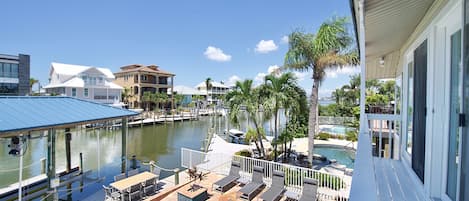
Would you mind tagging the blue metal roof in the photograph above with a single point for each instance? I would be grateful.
(21, 113)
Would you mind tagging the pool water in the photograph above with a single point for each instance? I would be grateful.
(334, 129)
(342, 156)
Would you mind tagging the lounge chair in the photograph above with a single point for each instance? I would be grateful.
(111, 194)
(250, 190)
(134, 193)
(119, 177)
(310, 189)
(149, 188)
(277, 188)
(132, 172)
(227, 182)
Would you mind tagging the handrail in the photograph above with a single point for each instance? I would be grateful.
(363, 179)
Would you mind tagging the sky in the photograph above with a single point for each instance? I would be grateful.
(223, 40)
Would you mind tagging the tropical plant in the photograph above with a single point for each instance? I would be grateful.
(251, 136)
(278, 89)
(126, 94)
(32, 82)
(146, 99)
(330, 47)
(208, 86)
(159, 98)
(244, 96)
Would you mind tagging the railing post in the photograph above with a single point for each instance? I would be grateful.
(176, 176)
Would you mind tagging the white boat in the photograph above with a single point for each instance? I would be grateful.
(236, 136)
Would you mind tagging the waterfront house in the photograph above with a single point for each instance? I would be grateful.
(215, 92)
(14, 75)
(140, 78)
(420, 152)
(83, 82)
(188, 93)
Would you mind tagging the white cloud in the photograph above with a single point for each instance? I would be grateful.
(300, 75)
(232, 80)
(284, 40)
(274, 69)
(266, 46)
(216, 54)
(348, 70)
(260, 77)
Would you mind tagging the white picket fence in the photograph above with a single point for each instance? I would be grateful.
(331, 187)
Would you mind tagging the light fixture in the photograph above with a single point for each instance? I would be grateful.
(381, 62)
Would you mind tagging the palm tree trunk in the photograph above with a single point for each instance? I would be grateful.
(275, 133)
(312, 119)
(259, 138)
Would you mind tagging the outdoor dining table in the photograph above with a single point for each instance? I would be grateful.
(124, 184)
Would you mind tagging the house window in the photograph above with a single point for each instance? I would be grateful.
(85, 92)
(74, 92)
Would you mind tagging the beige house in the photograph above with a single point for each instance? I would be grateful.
(140, 78)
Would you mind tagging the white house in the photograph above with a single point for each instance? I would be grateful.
(215, 92)
(83, 82)
(421, 152)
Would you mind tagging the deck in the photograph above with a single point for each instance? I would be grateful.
(394, 181)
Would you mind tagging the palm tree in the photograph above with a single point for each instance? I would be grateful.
(244, 96)
(277, 89)
(178, 98)
(251, 136)
(208, 86)
(126, 94)
(330, 47)
(146, 99)
(32, 82)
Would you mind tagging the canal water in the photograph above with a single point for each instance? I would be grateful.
(161, 143)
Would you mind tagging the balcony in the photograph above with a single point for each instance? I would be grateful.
(379, 173)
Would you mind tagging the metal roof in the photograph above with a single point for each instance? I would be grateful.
(23, 113)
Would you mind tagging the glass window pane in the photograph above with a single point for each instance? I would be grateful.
(14, 70)
(410, 105)
(455, 98)
(6, 70)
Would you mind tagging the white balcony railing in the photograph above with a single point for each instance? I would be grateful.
(380, 138)
(331, 186)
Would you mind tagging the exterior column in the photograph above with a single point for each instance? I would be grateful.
(172, 93)
(139, 88)
(50, 159)
(363, 67)
(124, 145)
(68, 138)
(464, 172)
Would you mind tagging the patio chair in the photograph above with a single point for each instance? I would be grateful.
(274, 193)
(227, 182)
(110, 194)
(132, 172)
(134, 193)
(251, 189)
(119, 177)
(149, 187)
(310, 189)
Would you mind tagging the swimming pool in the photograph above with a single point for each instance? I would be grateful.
(334, 129)
(342, 156)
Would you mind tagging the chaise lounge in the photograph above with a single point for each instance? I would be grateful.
(250, 190)
(229, 181)
(274, 193)
(310, 188)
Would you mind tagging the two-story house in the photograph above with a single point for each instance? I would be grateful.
(138, 79)
(83, 82)
(215, 91)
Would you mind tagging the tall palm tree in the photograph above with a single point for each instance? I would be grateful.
(126, 94)
(208, 86)
(244, 96)
(277, 89)
(146, 99)
(330, 47)
(32, 82)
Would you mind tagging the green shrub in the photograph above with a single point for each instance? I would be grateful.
(245, 153)
(323, 136)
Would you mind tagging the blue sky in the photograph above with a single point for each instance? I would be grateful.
(193, 39)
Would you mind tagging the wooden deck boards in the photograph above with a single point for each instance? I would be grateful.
(394, 182)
